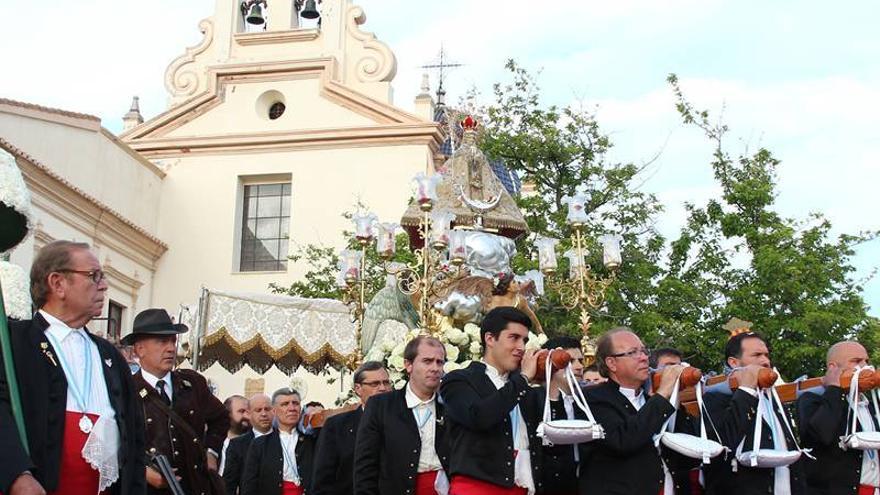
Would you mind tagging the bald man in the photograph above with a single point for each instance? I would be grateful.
(823, 416)
(261, 416)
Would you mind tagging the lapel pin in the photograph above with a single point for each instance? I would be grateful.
(108, 362)
(49, 355)
(44, 345)
(186, 383)
(143, 393)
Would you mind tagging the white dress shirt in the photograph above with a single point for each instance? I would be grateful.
(870, 475)
(522, 469)
(425, 413)
(153, 380)
(288, 449)
(74, 343)
(634, 396)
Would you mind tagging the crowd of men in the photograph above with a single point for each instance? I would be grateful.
(92, 426)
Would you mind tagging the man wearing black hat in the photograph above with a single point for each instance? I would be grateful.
(184, 421)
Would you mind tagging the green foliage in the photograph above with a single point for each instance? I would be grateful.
(735, 256)
(788, 276)
(558, 152)
(321, 264)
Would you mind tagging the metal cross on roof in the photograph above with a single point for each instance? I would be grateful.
(442, 65)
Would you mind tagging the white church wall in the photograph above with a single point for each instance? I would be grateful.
(200, 210)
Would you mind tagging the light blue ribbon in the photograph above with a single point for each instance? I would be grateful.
(80, 396)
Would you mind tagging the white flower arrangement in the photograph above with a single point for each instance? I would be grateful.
(16, 290)
(13, 192)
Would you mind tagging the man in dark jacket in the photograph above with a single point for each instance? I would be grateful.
(734, 417)
(401, 444)
(560, 462)
(55, 357)
(261, 414)
(626, 460)
(280, 463)
(184, 421)
(493, 413)
(334, 455)
(823, 417)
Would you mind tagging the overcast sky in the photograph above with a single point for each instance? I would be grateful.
(798, 77)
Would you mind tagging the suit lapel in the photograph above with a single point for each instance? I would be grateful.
(404, 413)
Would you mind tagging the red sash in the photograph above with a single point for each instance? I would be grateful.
(76, 476)
(867, 490)
(465, 485)
(425, 483)
(291, 488)
(696, 487)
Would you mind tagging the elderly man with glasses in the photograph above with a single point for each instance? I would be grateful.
(334, 454)
(626, 460)
(76, 389)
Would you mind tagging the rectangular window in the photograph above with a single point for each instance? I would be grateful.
(114, 321)
(264, 227)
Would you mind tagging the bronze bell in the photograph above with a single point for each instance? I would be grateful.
(255, 17)
(310, 11)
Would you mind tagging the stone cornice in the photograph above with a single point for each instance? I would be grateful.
(392, 135)
(271, 37)
(218, 76)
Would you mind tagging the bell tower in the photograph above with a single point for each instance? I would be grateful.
(261, 35)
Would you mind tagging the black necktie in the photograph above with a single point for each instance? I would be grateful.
(161, 386)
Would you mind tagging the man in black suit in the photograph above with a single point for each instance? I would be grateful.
(261, 414)
(401, 447)
(239, 423)
(734, 418)
(559, 468)
(55, 358)
(334, 455)
(626, 460)
(280, 462)
(493, 413)
(823, 419)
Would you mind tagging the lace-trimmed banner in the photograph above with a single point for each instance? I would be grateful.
(261, 330)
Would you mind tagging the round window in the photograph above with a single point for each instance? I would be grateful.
(276, 110)
(271, 105)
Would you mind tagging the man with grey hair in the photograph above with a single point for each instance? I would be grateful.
(261, 414)
(334, 457)
(626, 461)
(75, 388)
(280, 462)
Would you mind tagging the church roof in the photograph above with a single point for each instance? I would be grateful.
(57, 111)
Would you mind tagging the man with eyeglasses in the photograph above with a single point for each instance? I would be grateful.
(626, 460)
(401, 442)
(334, 454)
(76, 389)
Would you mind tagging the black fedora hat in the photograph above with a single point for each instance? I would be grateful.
(153, 322)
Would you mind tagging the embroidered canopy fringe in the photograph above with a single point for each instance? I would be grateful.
(262, 330)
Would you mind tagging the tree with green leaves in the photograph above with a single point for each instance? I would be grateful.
(734, 257)
(794, 281)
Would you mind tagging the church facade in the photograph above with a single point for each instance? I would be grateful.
(270, 135)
